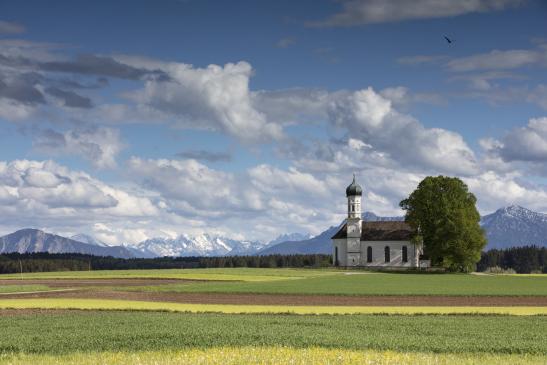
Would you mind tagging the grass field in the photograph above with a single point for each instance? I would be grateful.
(232, 274)
(362, 283)
(329, 282)
(45, 329)
(105, 304)
(65, 333)
(22, 288)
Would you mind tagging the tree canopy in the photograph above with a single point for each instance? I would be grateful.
(443, 213)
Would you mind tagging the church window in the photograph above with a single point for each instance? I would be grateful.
(405, 254)
(369, 254)
(336, 256)
(387, 254)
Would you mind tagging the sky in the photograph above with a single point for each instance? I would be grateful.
(129, 120)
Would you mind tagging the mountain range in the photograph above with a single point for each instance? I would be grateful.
(507, 227)
(34, 240)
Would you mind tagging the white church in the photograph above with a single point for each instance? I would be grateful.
(381, 244)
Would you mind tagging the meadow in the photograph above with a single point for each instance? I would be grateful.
(92, 331)
(309, 281)
(89, 317)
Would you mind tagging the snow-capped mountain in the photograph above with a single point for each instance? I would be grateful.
(34, 240)
(515, 226)
(200, 245)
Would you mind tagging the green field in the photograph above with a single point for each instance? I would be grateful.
(22, 288)
(362, 283)
(328, 282)
(232, 274)
(48, 330)
(63, 333)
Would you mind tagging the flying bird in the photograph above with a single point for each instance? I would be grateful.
(448, 39)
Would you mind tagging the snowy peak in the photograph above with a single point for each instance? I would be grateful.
(199, 245)
(515, 226)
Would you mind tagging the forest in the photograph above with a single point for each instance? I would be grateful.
(523, 260)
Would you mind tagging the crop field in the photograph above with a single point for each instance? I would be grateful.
(271, 316)
(303, 281)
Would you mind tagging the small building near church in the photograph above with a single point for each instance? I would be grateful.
(381, 244)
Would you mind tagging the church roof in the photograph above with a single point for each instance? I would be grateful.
(354, 188)
(380, 231)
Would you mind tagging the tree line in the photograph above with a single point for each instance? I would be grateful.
(523, 260)
(43, 261)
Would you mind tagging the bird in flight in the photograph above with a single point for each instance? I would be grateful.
(448, 39)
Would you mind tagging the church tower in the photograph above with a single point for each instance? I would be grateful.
(354, 226)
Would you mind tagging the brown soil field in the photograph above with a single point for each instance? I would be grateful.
(71, 283)
(281, 299)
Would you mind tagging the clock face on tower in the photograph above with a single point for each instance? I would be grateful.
(353, 228)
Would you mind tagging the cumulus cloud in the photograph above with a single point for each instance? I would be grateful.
(370, 117)
(192, 187)
(495, 190)
(528, 143)
(213, 98)
(46, 194)
(362, 12)
(98, 145)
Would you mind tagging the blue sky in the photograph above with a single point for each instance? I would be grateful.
(134, 119)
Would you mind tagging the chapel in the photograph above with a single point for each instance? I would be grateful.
(372, 244)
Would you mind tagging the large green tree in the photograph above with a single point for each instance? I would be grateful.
(443, 213)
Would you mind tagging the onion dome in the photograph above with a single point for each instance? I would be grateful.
(354, 188)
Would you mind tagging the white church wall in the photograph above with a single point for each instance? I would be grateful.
(342, 251)
(395, 250)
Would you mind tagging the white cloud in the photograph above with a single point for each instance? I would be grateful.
(99, 145)
(370, 117)
(212, 98)
(528, 143)
(495, 190)
(43, 193)
(361, 12)
(499, 60)
(15, 111)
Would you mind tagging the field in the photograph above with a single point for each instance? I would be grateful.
(270, 316)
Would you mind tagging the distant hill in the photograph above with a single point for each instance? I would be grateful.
(289, 237)
(34, 240)
(515, 226)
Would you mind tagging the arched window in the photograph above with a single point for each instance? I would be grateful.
(369, 254)
(386, 254)
(405, 254)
